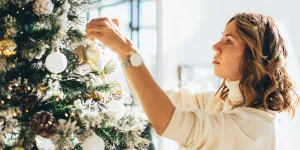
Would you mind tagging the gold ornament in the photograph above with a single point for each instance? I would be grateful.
(119, 89)
(19, 146)
(92, 55)
(7, 47)
(97, 95)
(78, 52)
(42, 88)
(93, 95)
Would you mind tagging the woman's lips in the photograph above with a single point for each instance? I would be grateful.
(215, 62)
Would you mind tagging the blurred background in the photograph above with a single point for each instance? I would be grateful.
(175, 38)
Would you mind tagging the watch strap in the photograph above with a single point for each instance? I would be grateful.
(126, 63)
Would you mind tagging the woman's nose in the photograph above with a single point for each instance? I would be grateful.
(216, 48)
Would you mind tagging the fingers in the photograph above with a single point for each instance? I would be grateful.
(116, 21)
(100, 21)
(128, 41)
(97, 28)
(93, 35)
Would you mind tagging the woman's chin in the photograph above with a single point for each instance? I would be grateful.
(218, 73)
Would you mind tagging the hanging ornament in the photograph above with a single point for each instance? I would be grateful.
(97, 95)
(93, 55)
(56, 62)
(44, 124)
(126, 99)
(117, 91)
(93, 142)
(43, 143)
(19, 146)
(115, 109)
(7, 47)
(43, 7)
(78, 52)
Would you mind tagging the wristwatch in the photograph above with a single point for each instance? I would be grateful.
(134, 60)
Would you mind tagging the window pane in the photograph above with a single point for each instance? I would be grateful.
(148, 47)
(148, 42)
(148, 14)
(93, 14)
(121, 12)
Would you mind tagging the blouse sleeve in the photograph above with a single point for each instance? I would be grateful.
(197, 129)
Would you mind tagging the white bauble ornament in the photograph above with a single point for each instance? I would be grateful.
(44, 143)
(43, 7)
(115, 109)
(93, 142)
(126, 99)
(56, 62)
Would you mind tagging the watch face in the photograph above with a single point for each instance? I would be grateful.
(136, 59)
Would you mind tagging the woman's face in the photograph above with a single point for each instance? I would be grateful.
(229, 54)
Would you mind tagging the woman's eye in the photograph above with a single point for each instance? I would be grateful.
(228, 41)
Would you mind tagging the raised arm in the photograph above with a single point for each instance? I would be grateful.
(153, 99)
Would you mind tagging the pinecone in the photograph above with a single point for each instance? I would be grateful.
(44, 124)
(43, 7)
(29, 101)
(26, 93)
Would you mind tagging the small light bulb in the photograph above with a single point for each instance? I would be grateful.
(26, 110)
(23, 8)
(66, 115)
(42, 88)
(8, 97)
(16, 84)
(2, 102)
(28, 88)
(14, 114)
(17, 12)
(49, 122)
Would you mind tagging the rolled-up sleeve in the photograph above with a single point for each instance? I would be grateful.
(193, 129)
(197, 129)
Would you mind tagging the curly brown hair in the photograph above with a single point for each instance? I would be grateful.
(265, 83)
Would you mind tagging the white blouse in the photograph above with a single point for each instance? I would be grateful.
(202, 122)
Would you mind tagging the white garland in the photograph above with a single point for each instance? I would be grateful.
(54, 89)
(66, 131)
(11, 26)
(89, 112)
(8, 124)
(63, 22)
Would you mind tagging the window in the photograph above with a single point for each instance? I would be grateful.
(137, 20)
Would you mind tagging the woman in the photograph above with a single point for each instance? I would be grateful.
(243, 113)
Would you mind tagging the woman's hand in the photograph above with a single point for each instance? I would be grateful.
(108, 32)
